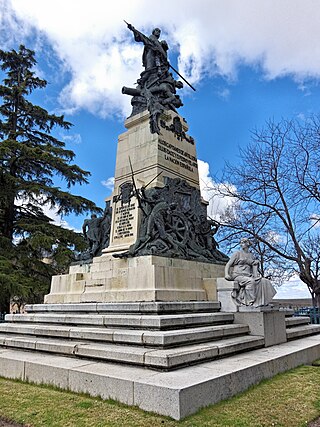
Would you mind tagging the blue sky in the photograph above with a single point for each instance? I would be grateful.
(250, 60)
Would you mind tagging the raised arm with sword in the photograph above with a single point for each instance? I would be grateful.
(154, 44)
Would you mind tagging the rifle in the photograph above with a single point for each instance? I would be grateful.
(131, 28)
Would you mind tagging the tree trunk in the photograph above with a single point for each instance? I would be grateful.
(8, 216)
(5, 306)
(316, 300)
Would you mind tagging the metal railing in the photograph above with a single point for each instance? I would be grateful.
(312, 312)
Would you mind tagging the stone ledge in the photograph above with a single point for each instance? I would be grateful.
(295, 321)
(175, 394)
(302, 331)
(169, 338)
(160, 359)
(127, 307)
(148, 321)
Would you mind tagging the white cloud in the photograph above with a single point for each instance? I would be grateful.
(208, 188)
(315, 220)
(74, 138)
(48, 210)
(223, 93)
(292, 289)
(57, 219)
(109, 183)
(210, 37)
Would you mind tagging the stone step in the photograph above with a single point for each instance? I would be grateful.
(175, 394)
(302, 331)
(133, 336)
(297, 320)
(133, 307)
(288, 311)
(163, 359)
(150, 321)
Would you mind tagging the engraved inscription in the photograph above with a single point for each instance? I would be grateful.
(177, 156)
(124, 217)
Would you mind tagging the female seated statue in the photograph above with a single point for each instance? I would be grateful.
(252, 288)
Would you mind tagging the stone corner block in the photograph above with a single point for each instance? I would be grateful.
(224, 290)
(269, 324)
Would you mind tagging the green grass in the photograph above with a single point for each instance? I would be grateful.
(291, 399)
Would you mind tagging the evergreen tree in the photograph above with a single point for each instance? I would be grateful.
(30, 158)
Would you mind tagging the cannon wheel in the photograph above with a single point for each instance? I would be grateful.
(177, 228)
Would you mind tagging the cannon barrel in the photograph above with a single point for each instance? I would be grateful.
(130, 91)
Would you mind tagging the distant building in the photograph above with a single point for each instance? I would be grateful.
(293, 303)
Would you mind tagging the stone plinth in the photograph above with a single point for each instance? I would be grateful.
(153, 157)
(224, 290)
(147, 278)
(264, 321)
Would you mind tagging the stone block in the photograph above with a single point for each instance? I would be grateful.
(90, 319)
(238, 344)
(17, 317)
(111, 352)
(11, 367)
(162, 400)
(50, 369)
(52, 331)
(294, 321)
(16, 328)
(302, 331)
(267, 323)
(171, 358)
(210, 286)
(95, 334)
(154, 338)
(235, 329)
(20, 342)
(120, 320)
(179, 295)
(176, 394)
(130, 307)
(97, 380)
(224, 290)
(80, 268)
(58, 347)
(128, 337)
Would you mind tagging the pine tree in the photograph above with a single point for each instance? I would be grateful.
(30, 159)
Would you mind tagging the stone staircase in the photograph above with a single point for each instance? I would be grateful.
(298, 327)
(198, 355)
(158, 335)
(152, 334)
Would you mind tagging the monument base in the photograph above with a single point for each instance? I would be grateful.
(145, 278)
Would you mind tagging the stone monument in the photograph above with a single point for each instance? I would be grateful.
(150, 290)
(154, 241)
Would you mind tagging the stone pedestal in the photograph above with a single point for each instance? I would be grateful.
(264, 321)
(149, 158)
(147, 278)
(146, 160)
